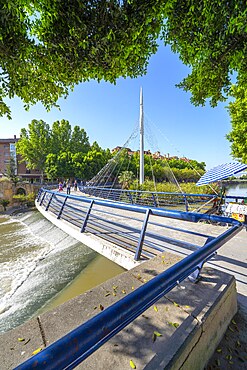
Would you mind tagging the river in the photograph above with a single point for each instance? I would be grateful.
(239, 189)
(41, 267)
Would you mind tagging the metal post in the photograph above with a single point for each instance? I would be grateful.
(186, 203)
(87, 217)
(61, 210)
(141, 140)
(130, 197)
(39, 194)
(42, 198)
(154, 200)
(48, 205)
(142, 235)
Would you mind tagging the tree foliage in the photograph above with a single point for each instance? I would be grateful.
(34, 145)
(11, 171)
(47, 47)
(4, 203)
(60, 151)
(210, 37)
(126, 178)
(159, 169)
(238, 114)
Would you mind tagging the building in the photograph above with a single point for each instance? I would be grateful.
(7, 151)
(155, 155)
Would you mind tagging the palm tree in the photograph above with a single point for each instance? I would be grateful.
(126, 178)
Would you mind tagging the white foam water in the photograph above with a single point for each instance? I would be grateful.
(37, 260)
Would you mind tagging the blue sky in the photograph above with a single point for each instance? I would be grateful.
(109, 113)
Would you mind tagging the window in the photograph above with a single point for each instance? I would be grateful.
(12, 147)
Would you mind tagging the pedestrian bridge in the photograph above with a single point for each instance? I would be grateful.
(136, 235)
(130, 233)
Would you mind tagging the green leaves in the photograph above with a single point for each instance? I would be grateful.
(155, 335)
(132, 364)
(174, 324)
(44, 56)
(238, 114)
(208, 35)
(60, 151)
(48, 47)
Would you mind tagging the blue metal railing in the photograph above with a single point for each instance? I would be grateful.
(235, 198)
(101, 217)
(178, 201)
(76, 346)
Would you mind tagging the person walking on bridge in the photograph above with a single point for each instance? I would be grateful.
(68, 187)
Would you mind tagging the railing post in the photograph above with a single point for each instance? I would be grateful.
(61, 210)
(42, 198)
(48, 205)
(87, 217)
(186, 203)
(142, 235)
(130, 197)
(154, 200)
(39, 194)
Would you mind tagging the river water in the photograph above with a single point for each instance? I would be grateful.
(41, 266)
(239, 189)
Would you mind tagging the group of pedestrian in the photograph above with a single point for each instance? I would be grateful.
(67, 185)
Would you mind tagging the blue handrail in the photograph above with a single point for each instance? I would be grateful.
(186, 201)
(76, 346)
(58, 203)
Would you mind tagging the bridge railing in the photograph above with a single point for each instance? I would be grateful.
(178, 201)
(76, 346)
(129, 229)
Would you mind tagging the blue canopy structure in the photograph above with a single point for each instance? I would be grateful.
(221, 172)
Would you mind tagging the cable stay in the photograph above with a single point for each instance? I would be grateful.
(125, 168)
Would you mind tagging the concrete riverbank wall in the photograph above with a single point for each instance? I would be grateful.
(122, 257)
(191, 320)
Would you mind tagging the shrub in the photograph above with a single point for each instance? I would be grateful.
(30, 199)
(4, 179)
(25, 199)
(4, 203)
(20, 198)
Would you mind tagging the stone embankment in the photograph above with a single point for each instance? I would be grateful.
(9, 189)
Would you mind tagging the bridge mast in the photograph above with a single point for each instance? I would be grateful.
(141, 140)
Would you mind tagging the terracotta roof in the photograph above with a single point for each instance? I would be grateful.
(12, 140)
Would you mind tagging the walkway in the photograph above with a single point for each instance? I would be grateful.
(182, 238)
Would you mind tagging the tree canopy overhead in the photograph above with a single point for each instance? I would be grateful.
(211, 37)
(48, 46)
(238, 114)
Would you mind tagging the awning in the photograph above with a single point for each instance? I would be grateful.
(221, 172)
